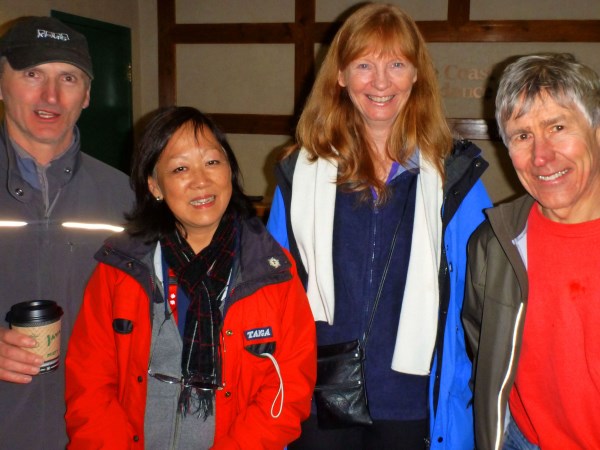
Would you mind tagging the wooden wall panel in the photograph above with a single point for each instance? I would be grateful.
(304, 33)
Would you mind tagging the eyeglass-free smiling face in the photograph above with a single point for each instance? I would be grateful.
(556, 155)
(379, 86)
(193, 176)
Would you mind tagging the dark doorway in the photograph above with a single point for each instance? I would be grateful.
(107, 124)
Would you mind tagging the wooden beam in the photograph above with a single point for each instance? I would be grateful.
(472, 129)
(255, 123)
(512, 31)
(167, 71)
(492, 31)
(234, 33)
(475, 129)
(304, 53)
(458, 12)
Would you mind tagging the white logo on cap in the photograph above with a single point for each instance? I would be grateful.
(52, 35)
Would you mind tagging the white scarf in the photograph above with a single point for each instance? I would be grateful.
(312, 211)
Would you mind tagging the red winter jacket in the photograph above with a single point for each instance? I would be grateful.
(107, 359)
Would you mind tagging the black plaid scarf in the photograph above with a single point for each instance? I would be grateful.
(203, 278)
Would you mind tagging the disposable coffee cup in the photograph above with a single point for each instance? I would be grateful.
(39, 319)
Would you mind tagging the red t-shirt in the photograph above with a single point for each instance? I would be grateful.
(555, 400)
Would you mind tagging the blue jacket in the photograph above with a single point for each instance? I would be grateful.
(450, 399)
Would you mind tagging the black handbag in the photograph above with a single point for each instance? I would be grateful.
(340, 393)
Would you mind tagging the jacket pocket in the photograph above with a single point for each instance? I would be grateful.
(122, 326)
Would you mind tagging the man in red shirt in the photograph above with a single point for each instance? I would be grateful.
(532, 306)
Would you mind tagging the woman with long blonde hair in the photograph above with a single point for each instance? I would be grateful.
(376, 203)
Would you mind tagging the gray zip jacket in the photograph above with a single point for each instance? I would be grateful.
(494, 315)
(47, 252)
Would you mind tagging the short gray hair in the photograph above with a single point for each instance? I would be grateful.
(558, 75)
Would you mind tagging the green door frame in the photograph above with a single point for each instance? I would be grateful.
(107, 124)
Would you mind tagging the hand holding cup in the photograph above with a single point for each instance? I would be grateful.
(40, 322)
(17, 364)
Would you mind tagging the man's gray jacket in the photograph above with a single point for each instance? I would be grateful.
(493, 315)
(48, 236)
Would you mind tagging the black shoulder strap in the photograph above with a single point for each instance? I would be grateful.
(383, 276)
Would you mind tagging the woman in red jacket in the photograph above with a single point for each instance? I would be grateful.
(195, 331)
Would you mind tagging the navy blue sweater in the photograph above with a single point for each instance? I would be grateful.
(362, 235)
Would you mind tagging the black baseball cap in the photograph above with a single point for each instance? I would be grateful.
(39, 40)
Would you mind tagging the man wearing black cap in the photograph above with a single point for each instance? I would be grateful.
(57, 205)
